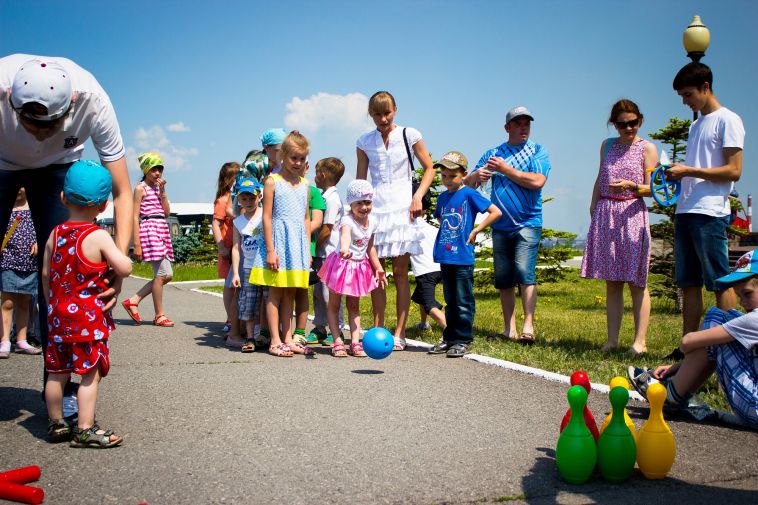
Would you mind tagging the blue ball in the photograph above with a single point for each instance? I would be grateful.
(378, 343)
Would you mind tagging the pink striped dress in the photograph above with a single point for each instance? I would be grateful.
(154, 235)
(618, 241)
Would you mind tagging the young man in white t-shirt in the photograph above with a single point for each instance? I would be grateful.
(713, 163)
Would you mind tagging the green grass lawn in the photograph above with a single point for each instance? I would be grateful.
(182, 271)
(570, 329)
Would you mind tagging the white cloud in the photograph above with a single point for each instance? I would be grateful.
(154, 138)
(178, 127)
(324, 111)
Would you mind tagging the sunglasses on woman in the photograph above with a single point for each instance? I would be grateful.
(623, 125)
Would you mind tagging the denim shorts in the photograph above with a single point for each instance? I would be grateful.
(515, 256)
(15, 281)
(701, 250)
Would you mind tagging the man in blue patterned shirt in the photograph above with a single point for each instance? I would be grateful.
(513, 175)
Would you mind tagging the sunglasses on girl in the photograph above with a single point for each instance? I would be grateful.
(623, 125)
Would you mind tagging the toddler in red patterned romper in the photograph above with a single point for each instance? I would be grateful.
(77, 256)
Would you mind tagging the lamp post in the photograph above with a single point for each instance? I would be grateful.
(696, 39)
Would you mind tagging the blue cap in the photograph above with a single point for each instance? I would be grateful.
(745, 268)
(273, 136)
(87, 183)
(249, 185)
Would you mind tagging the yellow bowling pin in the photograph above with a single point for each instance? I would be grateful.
(656, 447)
(619, 381)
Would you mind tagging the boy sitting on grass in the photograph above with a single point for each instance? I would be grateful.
(726, 344)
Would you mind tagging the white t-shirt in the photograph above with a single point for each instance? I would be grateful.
(359, 236)
(332, 215)
(251, 236)
(92, 117)
(424, 263)
(709, 135)
(744, 329)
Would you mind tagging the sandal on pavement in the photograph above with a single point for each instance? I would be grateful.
(58, 430)
(356, 349)
(94, 437)
(338, 350)
(280, 350)
(129, 305)
(227, 326)
(526, 338)
(31, 350)
(400, 344)
(163, 321)
(248, 346)
(298, 348)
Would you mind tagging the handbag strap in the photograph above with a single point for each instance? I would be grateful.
(410, 158)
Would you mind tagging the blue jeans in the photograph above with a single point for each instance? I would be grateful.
(701, 250)
(458, 288)
(43, 191)
(515, 256)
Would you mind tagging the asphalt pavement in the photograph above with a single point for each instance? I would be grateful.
(207, 424)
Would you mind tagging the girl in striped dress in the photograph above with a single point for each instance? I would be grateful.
(152, 238)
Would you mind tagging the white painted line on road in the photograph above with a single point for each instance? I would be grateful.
(203, 292)
(602, 388)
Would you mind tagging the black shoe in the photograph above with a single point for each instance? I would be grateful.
(440, 347)
(458, 350)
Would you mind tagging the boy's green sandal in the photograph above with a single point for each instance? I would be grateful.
(94, 437)
(315, 336)
(58, 430)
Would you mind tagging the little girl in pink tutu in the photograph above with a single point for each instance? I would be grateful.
(353, 269)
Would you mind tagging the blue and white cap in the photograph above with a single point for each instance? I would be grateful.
(746, 267)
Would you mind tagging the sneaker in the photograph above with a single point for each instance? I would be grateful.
(641, 379)
(316, 336)
(422, 326)
(458, 350)
(440, 347)
(328, 341)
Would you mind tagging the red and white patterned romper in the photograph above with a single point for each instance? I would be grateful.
(78, 327)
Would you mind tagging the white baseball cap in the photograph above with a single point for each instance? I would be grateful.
(46, 83)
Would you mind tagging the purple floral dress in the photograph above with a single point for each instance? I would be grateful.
(618, 242)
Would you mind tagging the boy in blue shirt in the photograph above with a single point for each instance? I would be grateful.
(454, 251)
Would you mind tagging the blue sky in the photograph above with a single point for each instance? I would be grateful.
(199, 81)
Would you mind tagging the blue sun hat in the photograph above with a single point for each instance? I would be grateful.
(273, 136)
(249, 185)
(746, 267)
(87, 183)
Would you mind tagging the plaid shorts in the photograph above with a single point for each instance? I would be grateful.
(250, 298)
(735, 369)
(77, 357)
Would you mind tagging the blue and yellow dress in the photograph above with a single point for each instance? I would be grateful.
(290, 238)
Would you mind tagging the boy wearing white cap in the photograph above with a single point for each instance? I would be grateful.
(726, 344)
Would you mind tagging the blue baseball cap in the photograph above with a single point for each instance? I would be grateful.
(745, 268)
(273, 136)
(87, 183)
(249, 185)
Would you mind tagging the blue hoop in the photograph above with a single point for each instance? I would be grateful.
(664, 192)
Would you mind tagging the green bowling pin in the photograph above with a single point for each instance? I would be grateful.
(576, 452)
(616, 450)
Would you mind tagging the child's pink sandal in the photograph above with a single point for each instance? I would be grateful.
(356, 350)
(338, 350)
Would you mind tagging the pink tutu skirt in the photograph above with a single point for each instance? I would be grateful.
(347, 277)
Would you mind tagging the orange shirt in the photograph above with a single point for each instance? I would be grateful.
(219, 212)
